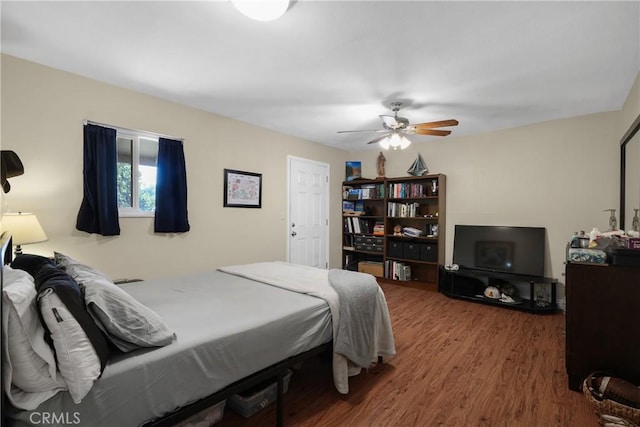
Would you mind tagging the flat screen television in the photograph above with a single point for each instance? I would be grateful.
(515, 250)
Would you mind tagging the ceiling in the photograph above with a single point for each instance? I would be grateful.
(327, 66)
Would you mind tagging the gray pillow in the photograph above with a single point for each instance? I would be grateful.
(128, 324)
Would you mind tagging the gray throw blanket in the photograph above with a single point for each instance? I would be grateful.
(361, 323)
(358, 309)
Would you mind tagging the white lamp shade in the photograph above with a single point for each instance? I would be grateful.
(395, 141)
(404, 142)
(24, 228)
(262, 10)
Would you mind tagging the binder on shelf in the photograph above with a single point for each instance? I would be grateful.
(347, 225)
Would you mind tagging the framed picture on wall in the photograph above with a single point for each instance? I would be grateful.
(353, 170)
(242, 189)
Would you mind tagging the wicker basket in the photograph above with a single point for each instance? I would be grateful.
(609, 412)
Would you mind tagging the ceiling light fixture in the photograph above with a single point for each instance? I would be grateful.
(262, 10)
(395, 141)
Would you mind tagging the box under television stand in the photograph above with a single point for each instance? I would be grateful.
(469, 284)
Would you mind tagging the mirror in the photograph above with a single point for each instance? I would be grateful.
(629, 175)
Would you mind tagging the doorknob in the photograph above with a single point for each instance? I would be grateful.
(293, 233)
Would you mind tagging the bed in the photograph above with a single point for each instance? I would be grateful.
(233, 329)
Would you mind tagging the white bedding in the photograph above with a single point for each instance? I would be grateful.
(227, 328)
(315, 282)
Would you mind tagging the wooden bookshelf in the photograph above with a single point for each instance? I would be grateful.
(407, 215)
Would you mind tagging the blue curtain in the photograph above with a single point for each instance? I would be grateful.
(171, 188)
(99, 209)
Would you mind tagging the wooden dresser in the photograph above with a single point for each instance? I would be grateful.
(603, 322)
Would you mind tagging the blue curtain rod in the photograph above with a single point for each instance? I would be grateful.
(132, 130)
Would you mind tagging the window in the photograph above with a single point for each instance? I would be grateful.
(137, 171)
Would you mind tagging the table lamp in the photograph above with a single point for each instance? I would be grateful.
(24, 227)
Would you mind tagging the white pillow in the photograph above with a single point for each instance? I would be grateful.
(29, 363)
(128, 324)
(78, 361)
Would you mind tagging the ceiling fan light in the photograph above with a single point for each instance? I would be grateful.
(404, 142)
(384, 143)
(262, 10)
(395, 141)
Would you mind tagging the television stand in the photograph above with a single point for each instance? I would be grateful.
(469, 284)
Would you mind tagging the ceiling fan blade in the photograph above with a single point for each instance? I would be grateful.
(378, 139)
(439, 124)
(364, 130)
(390, 122)
(435, 132)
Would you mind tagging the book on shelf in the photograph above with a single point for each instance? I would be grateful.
(397, 271)
(348, 228)
(367, 191)
(403, 210)
(378, 228)
(354, 194)
(407, 190)
(373, 191)
(356, 225)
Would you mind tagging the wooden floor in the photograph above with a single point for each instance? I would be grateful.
(458, 364)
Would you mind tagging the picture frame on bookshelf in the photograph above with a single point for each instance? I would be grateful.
(353, 170)
(242, 189)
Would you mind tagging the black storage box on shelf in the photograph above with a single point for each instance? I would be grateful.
(411, 250)
(258, 397)
(395, 249)
(358, 239)
(625, 257)
(429, 252)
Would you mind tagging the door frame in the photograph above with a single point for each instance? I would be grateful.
(291, 158)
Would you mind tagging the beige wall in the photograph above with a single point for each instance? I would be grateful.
(42, 114)
(631, 108)
(559, 175)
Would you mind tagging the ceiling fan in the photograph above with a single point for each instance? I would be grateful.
(395, 127)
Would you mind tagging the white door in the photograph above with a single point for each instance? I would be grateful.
(308, 227)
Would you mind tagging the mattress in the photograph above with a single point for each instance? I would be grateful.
(227, 328)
